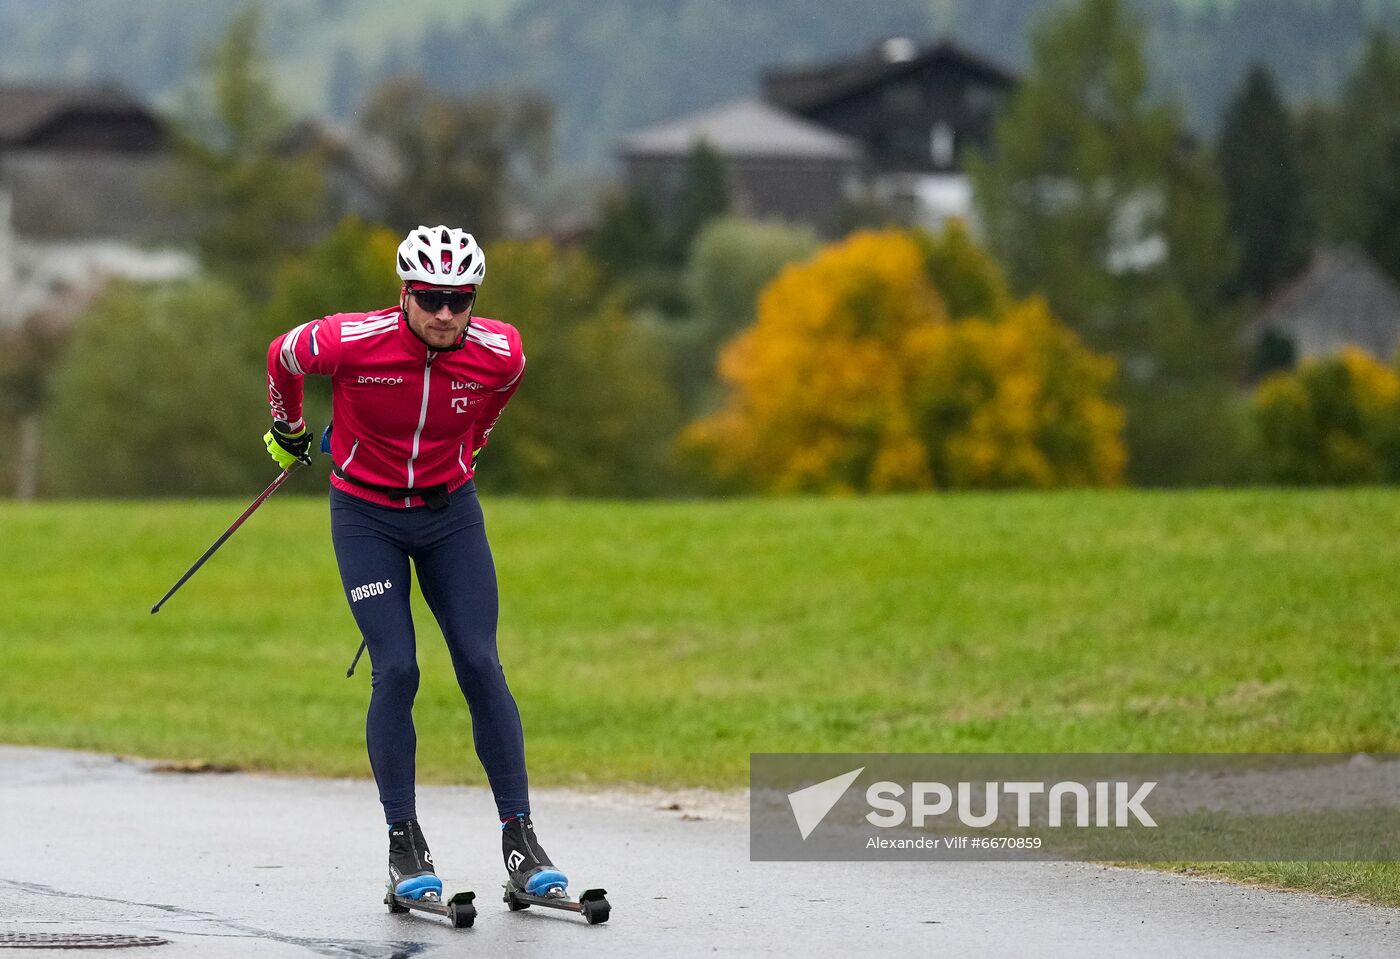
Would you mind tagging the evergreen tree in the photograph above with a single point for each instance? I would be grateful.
(1080, 163)
(1345, 148)
(625, 237)
(1093, 199)
(1383, 233)
(704, 195)
(1263, 187)
(462, 158)
(1370, 154)
(250, 203)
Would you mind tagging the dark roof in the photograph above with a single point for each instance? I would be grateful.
(26, 109)
(367, 158)
(803, 88)
(743, 128)
(1341, 298)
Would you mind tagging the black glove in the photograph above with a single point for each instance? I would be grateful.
(296, 445)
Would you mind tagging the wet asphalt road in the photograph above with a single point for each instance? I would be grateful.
(226, 865)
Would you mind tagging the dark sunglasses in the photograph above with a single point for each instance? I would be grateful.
(455, 300)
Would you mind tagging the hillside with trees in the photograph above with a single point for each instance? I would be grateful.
(614, 65)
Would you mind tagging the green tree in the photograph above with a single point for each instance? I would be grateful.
(1351, 157)
(1092, 198)
(1382, 239)
(1335, 420)
(1345, 148)
(1079, 196)
(250, 204)
(1079, 167)
(1263, 187)
(731, 261)
(160, 394)
(350, 270)
(704, 195)
(626, 237)
(28, 353)
(593, 415)
(969, 280)
(461, 158)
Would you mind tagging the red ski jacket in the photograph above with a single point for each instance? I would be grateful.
(405, 416)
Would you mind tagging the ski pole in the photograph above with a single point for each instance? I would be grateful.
(282, 478)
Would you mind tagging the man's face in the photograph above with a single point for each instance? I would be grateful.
(442, 327)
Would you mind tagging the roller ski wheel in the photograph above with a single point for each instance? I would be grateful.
(592, 905)
(460, 910)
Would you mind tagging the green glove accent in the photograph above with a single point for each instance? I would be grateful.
(286, 447)
(475, 453)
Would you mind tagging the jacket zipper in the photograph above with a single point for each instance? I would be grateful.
(422, 416)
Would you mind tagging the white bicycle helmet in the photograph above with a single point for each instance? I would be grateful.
(442, 256)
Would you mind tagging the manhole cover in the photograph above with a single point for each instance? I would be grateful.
(75, 940)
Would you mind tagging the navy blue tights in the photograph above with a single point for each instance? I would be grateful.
(373, 545)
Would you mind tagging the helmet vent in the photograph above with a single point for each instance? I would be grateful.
(439, 255)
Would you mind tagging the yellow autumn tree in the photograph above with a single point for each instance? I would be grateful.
(1016, 402)
(1332, 420)
(853, 378)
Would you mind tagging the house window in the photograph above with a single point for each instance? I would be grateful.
(942, 144)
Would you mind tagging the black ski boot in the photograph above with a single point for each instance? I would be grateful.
(529, 867)
(411, 873)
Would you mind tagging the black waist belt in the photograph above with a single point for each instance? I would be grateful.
(435, 497)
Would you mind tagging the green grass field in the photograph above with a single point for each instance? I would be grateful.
(663, 642)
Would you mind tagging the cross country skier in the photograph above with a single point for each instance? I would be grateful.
(416, 389)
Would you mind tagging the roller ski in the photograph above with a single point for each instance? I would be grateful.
(535, 881)
(414, 885)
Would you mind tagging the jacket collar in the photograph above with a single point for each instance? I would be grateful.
(415, 347)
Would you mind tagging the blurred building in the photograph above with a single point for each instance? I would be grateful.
(893, 127)
(1341, 298)
(777, 165)
(78, 174)
(918, 111)
(359, 171)
(82, 197)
